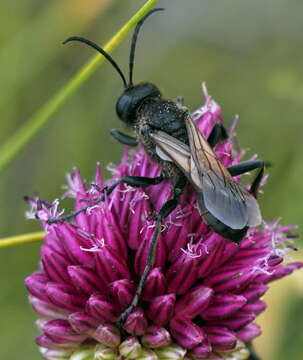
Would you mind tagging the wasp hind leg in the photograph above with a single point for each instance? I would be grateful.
(217, 134)
(123, 138)
(166, 209)
(135, 181)
(246, 166)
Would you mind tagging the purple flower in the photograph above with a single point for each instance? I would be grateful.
(200, 299)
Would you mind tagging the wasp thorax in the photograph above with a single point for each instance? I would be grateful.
(131, 99)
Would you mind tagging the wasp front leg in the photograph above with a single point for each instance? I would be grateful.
(178, 187)
(123, 138)
(135, 181)
(217, 134)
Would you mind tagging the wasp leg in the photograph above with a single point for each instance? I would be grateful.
(135, 181)
(245, 166)
(123, 138)
(217, 134)
(254, 188)
(166, 209)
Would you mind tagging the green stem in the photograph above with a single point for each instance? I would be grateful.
(19, 140)
(21, 239)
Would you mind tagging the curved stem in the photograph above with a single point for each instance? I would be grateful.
(21, 239)
(21, 138)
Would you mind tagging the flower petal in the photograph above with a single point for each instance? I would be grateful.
(65, 296)
(223, 305)
(108, 335)
(123, 292)
(156, 337)
(86, 280)
(130, 348)
(110, 266)
(136, 323)
(249, 332)
(101, 309)
(61, 331)
(82, 322)
(54, 264)
(36, 285)
(193, 303)
(181, 275)
(221, 338)
(155, 284)
(160, 309)
(201, 351)
(187, 334)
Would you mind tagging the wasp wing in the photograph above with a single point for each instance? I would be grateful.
(169, 148)
(226, 200)
(254, 214)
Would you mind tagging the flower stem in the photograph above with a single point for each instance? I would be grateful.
(21, 239)
(21, 138)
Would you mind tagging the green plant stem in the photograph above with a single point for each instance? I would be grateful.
(21, 239)
(21, 138)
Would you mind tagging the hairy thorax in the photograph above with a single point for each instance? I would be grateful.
(159, 114)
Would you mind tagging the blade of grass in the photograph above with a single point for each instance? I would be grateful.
(21, 239)
(29, 41)
(21, 138)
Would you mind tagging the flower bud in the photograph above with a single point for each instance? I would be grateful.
(85, 280)
(181, 275)
(108, 335)
(171, 352)
(191, 304)
(101, 309)
(130, 348)
(65, 296)
(223, 305)
(136, 323)
(83, 354)
(160, 309)
(156, 337)
(105, 353)
(186, 332)
(155, 284)
(123, 292)
(61, 331)
(221, 338)
(82, 323)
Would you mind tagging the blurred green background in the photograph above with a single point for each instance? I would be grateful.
(250, 53)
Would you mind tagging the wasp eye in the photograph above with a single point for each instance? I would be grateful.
(126, 108)
(129, 102)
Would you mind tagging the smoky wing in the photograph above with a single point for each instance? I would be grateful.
(228, 201)
(169, 148)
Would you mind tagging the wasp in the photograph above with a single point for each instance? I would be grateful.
(170, 137)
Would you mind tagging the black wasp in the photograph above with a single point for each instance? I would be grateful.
(170, 137)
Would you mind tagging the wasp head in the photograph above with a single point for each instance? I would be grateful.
(131, 99)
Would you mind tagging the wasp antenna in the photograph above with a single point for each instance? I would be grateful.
(101, 51)
(134, 41)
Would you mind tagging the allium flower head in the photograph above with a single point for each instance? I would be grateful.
(201, 297)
